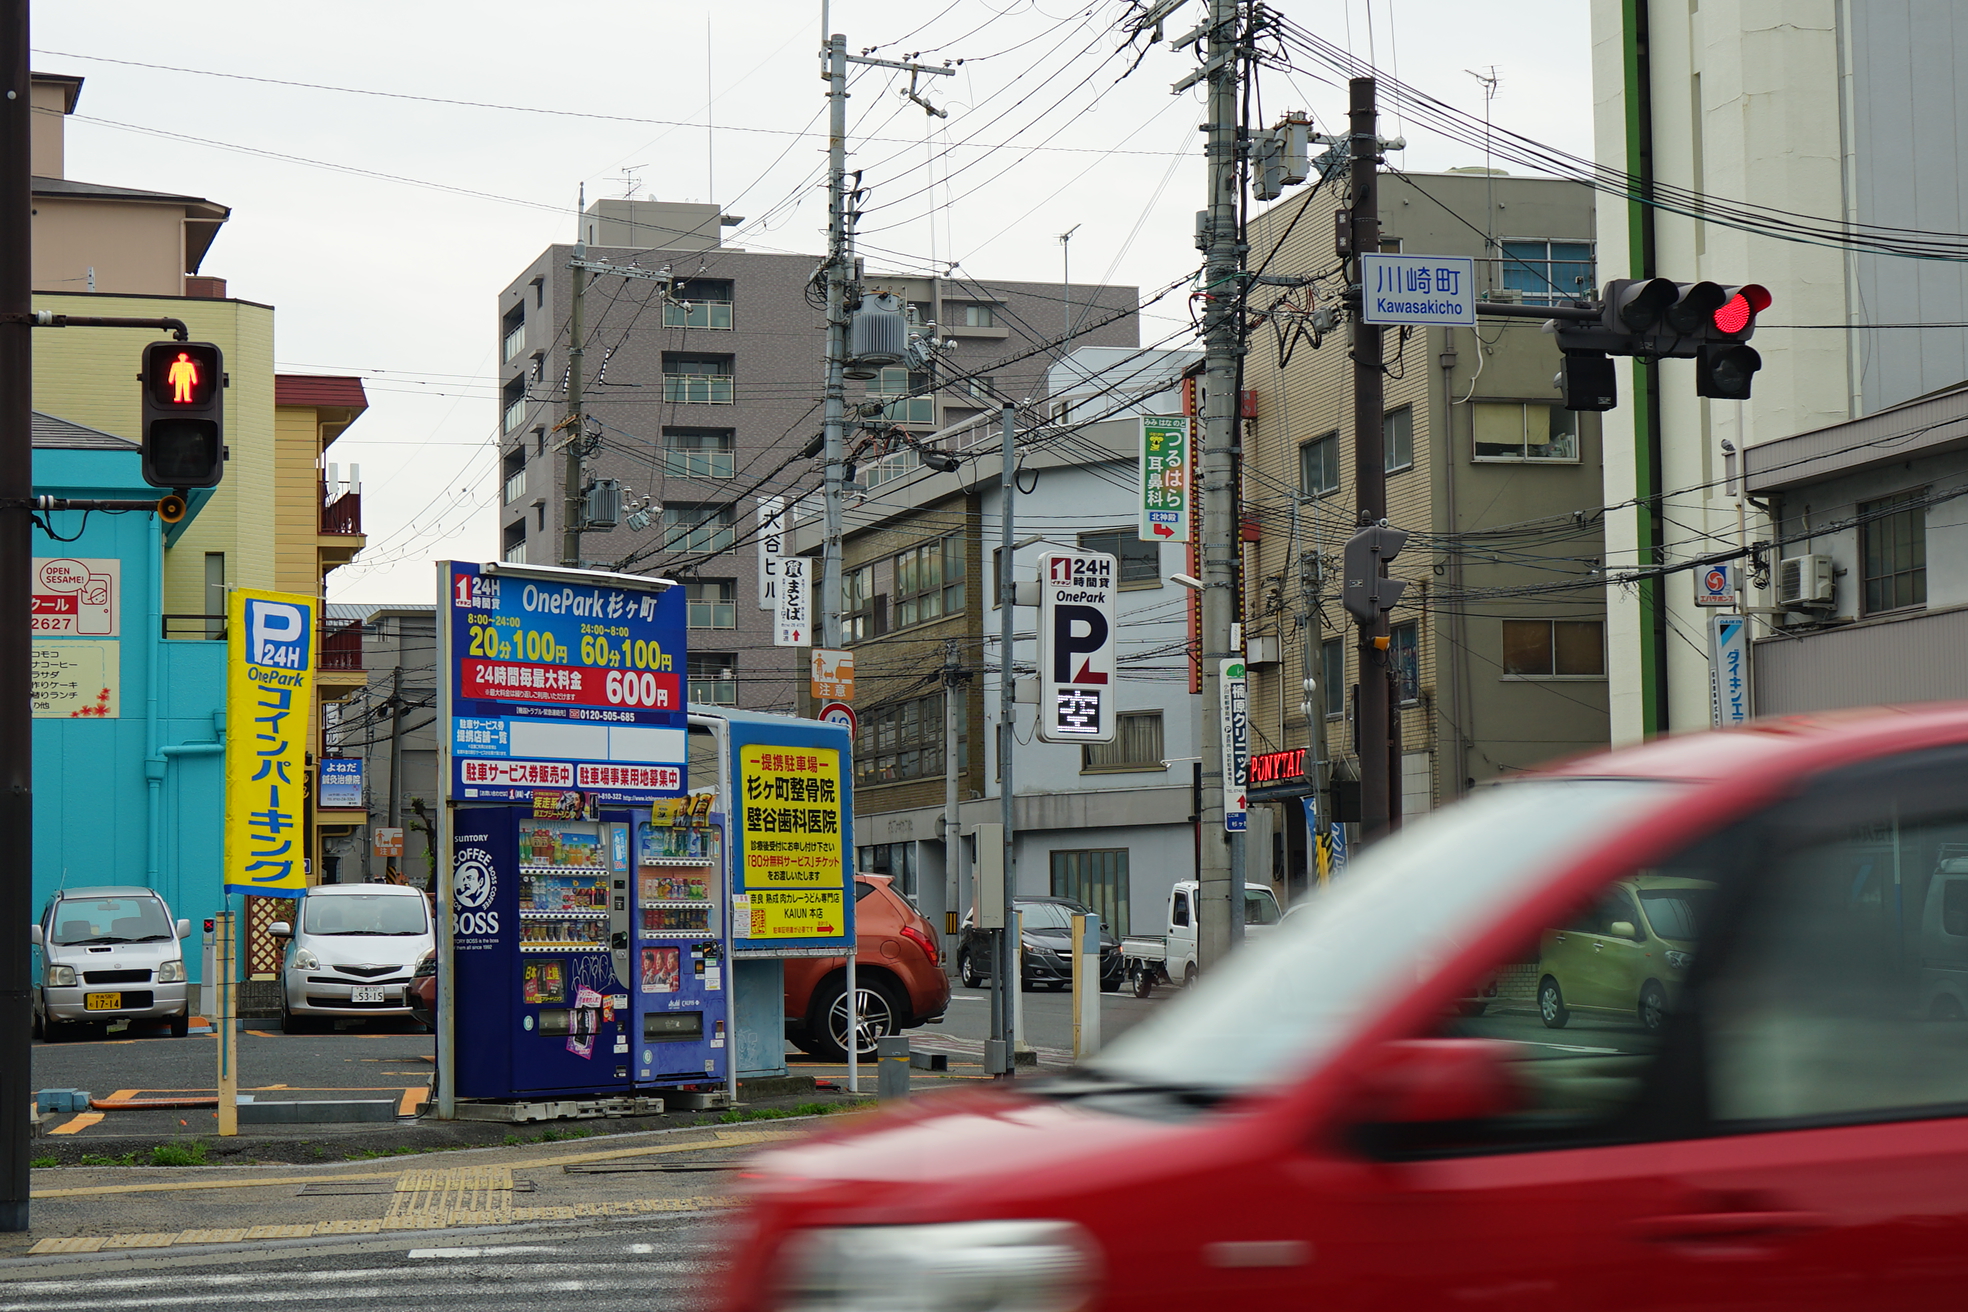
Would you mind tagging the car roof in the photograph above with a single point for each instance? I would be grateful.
(320, 889)
(107, 890)
(1779, 747)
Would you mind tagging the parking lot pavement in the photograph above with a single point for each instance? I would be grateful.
(392, 1060)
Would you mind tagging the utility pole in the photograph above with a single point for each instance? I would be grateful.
(573, 477)
(1219, 918)
(396, 763)
(16, 552)
(953, 718)
(1007, 974)
(1376, 745)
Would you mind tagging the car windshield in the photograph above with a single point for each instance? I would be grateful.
(1046, 915)
(1282, 1001)
(111, 920)
(1260, 908)
(1676, 913)
(364, 913)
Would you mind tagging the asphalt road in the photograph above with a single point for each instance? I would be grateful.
(630, 1264)
(1048, 1017)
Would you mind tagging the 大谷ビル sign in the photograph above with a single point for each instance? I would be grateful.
(562, 683)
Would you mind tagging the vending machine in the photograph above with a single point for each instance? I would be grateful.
(681, 1004)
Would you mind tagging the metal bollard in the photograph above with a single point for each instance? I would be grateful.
(892, 1067)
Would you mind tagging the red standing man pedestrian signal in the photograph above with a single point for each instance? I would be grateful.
(182, 378)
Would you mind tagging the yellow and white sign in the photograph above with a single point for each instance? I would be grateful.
(76, 679)
(269, 689)
(795, 874)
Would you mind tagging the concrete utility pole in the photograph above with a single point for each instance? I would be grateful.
(1007, 974)
(396, 761)
(572, 475)
(1378, 748)
(1219, 915)
(953, 719)
(16, 553)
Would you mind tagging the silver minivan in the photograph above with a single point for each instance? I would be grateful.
(351, 952)
(107, 954)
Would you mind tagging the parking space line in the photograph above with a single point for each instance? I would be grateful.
(80, 1121)
(412, 1100)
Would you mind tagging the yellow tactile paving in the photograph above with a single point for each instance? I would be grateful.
(79, 1244)
(479, 1195)
(281, 1231)
(160, 1240)
(368, 1227)
(231, 1236)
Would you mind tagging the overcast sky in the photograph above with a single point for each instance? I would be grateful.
(383, 228)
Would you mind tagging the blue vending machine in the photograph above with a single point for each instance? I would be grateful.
(682, 997)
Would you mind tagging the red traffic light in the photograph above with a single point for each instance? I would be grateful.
(182, 375)
(1738, 313)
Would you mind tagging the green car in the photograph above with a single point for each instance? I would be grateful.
(1625, 955)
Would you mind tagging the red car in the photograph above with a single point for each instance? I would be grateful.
(1758, 1099)
(898, 973)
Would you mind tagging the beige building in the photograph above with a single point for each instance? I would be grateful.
(1500, 635)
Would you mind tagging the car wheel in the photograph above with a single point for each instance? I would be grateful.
(54, 1031)
(1653, 1005)
(1945, 1007)
(967, 972)
(1472, 1008)
(1110, 985)
(1551, 1004)
(1144, 984)
(180, 1025)
(40, 1029)
(292, 1024)
(879, 1017)
(1189, 975)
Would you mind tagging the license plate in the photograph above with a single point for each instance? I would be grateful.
(102, 1001)
(366, 993)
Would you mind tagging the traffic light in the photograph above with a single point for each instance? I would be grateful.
(183, 414)
(1726, 367)
(1658, 319)
(1367, 591)
(1588, 381)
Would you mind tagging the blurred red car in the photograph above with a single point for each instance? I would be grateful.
(1780, 1121)
(898, 974)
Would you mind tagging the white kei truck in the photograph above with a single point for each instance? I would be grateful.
(1148, 960)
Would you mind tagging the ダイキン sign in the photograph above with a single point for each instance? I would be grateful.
(1728, 670)
(1077, 668)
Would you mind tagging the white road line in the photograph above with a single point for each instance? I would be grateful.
(481, 1252)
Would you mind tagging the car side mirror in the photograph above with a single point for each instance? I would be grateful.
(1414, 1082)
(34, 935)
(281, 929)
(1621, 929)
(184, 929)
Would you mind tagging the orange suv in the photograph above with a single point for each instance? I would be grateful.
(898, 974)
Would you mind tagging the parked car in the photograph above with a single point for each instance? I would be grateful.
(422, 991)
(898, 977)
(1792, 1134)
(1944, 938)
(351, 951)
(1046, 947)
(1148, 960)
(103, 954)
(1626, 954)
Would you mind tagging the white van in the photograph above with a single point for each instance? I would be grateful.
(107, 954)
(352, 952)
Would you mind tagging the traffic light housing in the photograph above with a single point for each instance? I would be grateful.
(183, 414)
(1657, 319)
(1367, 591)
(1588, 381)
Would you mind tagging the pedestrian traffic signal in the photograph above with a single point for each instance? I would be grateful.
(183, 414)
(1588, 381)
(1367, 591)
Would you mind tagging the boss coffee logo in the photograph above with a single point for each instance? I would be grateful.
(474, 885)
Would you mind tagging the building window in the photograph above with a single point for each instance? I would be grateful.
(515, 403)
(515, 472)
(712, 603)
(1404, 656)
(864, 614)
(1097, 879)
(540, 514)
(515, 331)
(512, 545)
(929, 581)
(1137, 745)
(1894, 545)
(1140, 562)
(696, 526)
(699, 452)
(891, 465)
(714, 678)
(896, 860)
(1548, 272)
(905, 409)
(215, 595)
(702, 379)
(982, 388)
(539, 366)
(900, 741)
(1562, 649)
(539, 293)
(698, 303)
(1332, 676)
(539, 441)
(980, 316)
(1318, 466)
(1508, 430)
(1397, 439)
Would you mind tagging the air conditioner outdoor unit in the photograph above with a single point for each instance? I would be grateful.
(1805, 582)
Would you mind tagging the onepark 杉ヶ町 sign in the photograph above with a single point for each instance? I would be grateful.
(1077, 668)
(561, 679)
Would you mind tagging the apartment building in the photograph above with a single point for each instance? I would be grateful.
(1499, 640)
(700, 393)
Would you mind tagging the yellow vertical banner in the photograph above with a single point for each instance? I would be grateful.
(269, 690)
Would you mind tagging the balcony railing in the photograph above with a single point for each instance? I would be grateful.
(515, 487)
(341, 512)
(341, 648)
(704, 389)
(211, 628)
(697, 314)
(515, 339)
(515, 414)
